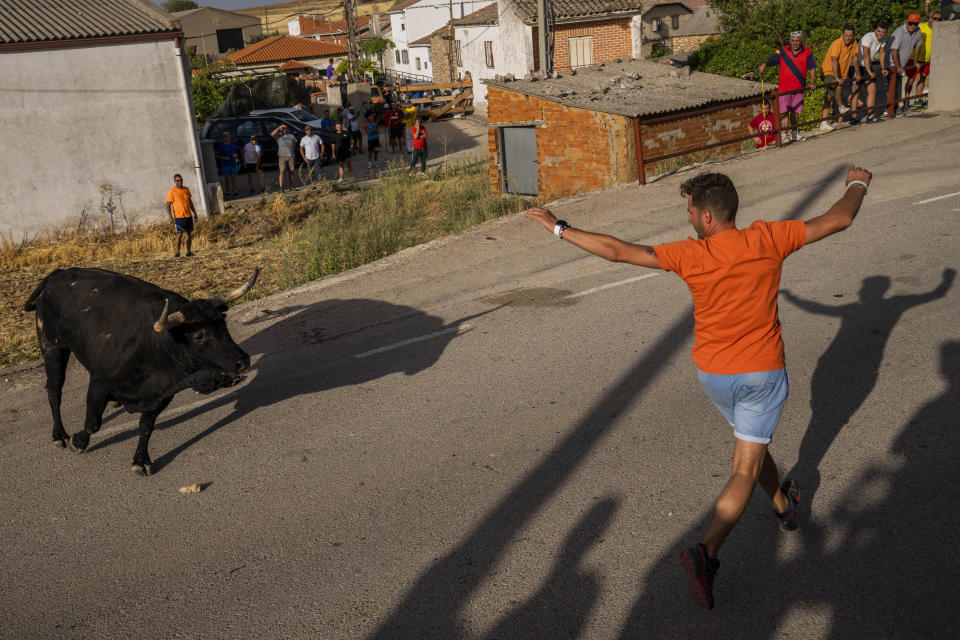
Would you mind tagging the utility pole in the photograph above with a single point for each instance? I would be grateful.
(546, 64)
(353, 47)
(452, 54)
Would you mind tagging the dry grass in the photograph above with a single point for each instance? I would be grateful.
(293, 239)
(274, 17)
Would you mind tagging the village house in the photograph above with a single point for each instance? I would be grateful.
(276, 51)
(599, 126)
(702, 25)
(411, 24)
(212, 32)
(328, 30)
(97, 115)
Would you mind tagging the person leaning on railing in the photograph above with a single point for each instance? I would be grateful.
(797, 68)
(837, 71)
(873, 66)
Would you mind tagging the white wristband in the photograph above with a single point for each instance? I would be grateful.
(858, 183)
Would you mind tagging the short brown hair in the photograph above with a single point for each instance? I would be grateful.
(714, 192)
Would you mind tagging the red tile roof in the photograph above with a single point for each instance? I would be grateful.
(282, 48)
(293, 64)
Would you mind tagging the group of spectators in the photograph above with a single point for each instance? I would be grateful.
(864, 67)
(341, 135)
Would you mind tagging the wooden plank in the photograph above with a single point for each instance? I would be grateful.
(463, 84)
(452, 105)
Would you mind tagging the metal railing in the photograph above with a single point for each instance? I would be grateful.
(774, 97)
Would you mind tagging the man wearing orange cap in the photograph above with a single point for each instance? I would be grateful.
(904, 45)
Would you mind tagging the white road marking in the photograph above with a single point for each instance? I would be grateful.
(460, 328)
(949, 195)
(611, 285)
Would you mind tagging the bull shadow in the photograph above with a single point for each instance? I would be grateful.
(885, 568)
(299, 356)
(847, 371)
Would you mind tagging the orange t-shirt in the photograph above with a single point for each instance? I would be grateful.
(180, 197)
(734, 277)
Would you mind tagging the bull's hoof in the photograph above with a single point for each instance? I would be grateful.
(140, 469)
(79, 441)
(60, 442)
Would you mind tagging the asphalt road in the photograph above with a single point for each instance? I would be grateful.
(498, 436)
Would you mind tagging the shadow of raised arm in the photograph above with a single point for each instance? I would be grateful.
(812, 307)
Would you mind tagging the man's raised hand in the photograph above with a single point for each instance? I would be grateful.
(858, 173)
(544, 216)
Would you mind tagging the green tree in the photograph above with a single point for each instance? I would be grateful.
(376, 47)
(364, 65)
(209, 94)
(179, 5)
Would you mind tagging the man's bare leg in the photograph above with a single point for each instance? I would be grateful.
(751, 463)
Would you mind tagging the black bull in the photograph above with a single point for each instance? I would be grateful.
(141, 345)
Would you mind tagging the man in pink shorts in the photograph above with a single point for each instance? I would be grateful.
(797, 64)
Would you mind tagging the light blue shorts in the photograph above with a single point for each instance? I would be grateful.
(751, 402)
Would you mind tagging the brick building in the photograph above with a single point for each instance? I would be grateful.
(579, 132)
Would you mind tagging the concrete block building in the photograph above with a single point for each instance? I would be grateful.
(96, 113)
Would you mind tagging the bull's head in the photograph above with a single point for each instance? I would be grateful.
(206, 348)
(169, 321)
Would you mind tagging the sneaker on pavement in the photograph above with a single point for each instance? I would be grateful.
(700, 571)
(825, 126)
(842, 109)
(784, 138)
(788, 519)
(799, 137)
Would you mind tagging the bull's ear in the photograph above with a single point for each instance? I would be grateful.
(167, 322)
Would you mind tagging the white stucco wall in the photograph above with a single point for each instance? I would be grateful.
(512, 52)
(74, 119)
(419, 20)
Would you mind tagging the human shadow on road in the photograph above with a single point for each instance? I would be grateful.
(847, 371)
(431, 608)
(562, 605)
(295, 358)
(881, 563)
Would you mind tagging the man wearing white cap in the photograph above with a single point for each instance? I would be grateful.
(797, 65)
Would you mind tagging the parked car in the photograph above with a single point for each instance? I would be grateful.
(300, 116)
(242, 127)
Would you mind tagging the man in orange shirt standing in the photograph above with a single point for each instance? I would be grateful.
(734, 276)
(838, 71)
(181, 213)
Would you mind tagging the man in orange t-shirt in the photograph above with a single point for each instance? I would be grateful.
(734, 276)
(181, 212)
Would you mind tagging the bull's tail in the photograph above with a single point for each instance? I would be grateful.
(31, 303)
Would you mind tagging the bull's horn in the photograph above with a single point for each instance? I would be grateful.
(164, 323)
(236, 293)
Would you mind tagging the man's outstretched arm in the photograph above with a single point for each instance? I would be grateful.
(599, 244)
(841, 215)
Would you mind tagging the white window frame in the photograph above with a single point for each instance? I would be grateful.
(488, 53)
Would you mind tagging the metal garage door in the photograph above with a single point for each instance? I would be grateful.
(519, 160)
